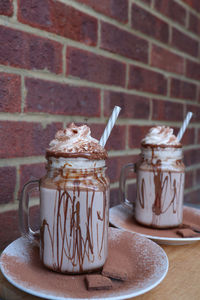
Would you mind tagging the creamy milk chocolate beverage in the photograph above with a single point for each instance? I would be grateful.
(74, 203)
(160, 180)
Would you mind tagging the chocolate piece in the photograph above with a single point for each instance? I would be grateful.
(114, 272)
(98, 282)
(186, 233)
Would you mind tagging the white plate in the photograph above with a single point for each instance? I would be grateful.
(123, 218)
(147, 261)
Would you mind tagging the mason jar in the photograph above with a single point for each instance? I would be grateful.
(74, 206)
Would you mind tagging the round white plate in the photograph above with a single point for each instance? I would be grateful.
(123, 218)
(147, 262)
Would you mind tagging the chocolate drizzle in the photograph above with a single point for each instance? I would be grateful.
(160, 185)
(77, 210)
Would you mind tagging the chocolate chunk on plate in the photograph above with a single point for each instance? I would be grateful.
(114, 272)
(98, 282)
(186, 233)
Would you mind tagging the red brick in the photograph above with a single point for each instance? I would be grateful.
(129, 46)
(198, 176)
(148, 81)
(56, 98)
(131, 192)
(117, 138)
(31, 172)
(145, 22)
(7, 184)
(147, 2)
(196, 112)
(172, 10)
(192, 197)
(116, 163)
(6, 7)
(114, 197)
(191, 157)
(25, 139)
(189, 179)
(183, 90)
(9, 227)
(194, 24)
(193, 69)
(193, 3)
(116, 9)
(167, 111)
(184, 43)
(136, 134)
(132, 106)
(10, 92)
(59, 18)
(188, 137)
(95, 68)
(198, 137)
(23, 50)
(166, 60)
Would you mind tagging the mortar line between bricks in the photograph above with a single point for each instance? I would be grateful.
(168, 86)
(187, 19)
(59, 77)
(14, 17)
(102, 103)
(64, 60)
(126, 138)
(17, 161)
(14, 206)
(150, 109)
(149, 54)
(129, 14)
(152, 4)
(127, 76)
(192, 167)
(98, 34)
(17, 185)
(164, 18)
(23, 94)
(60, 39)
(192, 189)
(187, 7)
(194, 178)
(170, 34)
(47, 119)
(196, 135)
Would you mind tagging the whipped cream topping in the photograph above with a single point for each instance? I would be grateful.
(75, 141)
(160, 135)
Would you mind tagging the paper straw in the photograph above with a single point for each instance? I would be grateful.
(109, 127)
(184, 126)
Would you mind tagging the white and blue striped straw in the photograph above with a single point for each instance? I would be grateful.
(184, 126)
(110, 125)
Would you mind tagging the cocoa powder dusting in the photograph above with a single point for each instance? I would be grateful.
(142, 259)
(123, 218)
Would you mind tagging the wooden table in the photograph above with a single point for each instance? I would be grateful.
(181, 283)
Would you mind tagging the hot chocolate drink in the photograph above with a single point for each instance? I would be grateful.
(160, 180)
(74, 203)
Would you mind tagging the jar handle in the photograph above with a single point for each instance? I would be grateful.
(126, 169)
(24, 224)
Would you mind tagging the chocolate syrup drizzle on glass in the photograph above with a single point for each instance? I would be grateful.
(68, 242)
(162, 181)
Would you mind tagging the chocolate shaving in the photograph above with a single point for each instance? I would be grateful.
(186, 233)
(98, 282)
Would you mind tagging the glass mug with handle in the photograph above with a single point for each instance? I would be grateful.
(74, 205)
(160, 175)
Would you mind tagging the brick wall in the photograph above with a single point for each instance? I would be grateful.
(73, 60)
